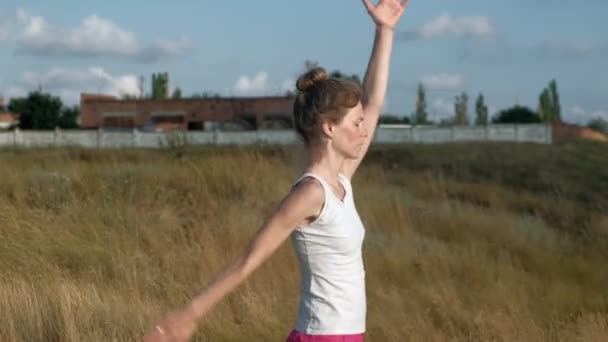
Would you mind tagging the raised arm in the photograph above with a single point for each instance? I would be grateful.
(301, 205)
(386, 15)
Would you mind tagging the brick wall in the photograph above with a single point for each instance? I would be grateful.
(181, 113)
(563, 132)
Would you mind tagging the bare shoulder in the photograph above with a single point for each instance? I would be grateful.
(303, 203)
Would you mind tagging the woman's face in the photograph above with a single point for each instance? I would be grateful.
(351, 133)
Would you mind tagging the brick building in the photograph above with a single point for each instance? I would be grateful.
(564, 132)
(7, 120)
(109, 112)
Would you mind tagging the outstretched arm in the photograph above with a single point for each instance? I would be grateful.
(299, 206)
(386, 15)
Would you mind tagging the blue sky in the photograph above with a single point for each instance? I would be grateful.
(508, 50)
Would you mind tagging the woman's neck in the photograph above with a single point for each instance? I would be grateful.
(324, 162)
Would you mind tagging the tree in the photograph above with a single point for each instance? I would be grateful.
(461, 109)
(393, 119)
(598, 124)
(555, 105)
(549, 108)
(339, 74)
(310, 64)
(69, 118)
(544, 106)
(177, 93)
(37, 111)
(517, 114)
(160, 86)
(481, 110)
(43, 111)
(420, 117)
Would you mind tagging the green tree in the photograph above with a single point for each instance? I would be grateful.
(43, 111)
(549, 107)
(160, 86)
(544, 110)
(598, 124)
(69, 118)
(311, 64)
(481, 119)
(461, 109)
(517, 114)
(177, 93)
(339, 74)
(421, 116)
(37, 111)
(393, 119)
(555, 104)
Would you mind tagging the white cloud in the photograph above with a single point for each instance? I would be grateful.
(443, 81)
(252, 86)
(94, 37)
(69, 83)
(445, 25)
(581, 115)
(260, 85)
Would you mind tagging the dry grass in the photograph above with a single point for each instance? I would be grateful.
(95, 245)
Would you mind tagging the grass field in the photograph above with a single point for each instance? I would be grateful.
(464, 242)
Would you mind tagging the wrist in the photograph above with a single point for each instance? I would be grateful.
(382, 28)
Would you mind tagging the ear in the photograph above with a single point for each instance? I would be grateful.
(328, 129)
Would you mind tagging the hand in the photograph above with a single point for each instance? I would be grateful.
(177, 326)
(387, 12)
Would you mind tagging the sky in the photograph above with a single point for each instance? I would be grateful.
(506, 50)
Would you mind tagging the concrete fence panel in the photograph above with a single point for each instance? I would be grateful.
(536, 133)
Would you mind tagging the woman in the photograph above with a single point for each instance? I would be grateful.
(336, 119)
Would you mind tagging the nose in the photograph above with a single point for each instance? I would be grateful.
(364, 131)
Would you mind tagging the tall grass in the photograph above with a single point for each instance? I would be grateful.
(464, 242)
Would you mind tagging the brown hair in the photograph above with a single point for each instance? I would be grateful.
(321, 98)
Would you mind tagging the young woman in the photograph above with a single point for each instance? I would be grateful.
(336, 120)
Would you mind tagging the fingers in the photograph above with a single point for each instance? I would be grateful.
(369, 5)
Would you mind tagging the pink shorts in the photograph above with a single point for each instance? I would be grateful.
(297, 336)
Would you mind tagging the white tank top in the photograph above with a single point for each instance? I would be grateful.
(332, 288)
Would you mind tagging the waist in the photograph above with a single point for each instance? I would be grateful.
(332, 314)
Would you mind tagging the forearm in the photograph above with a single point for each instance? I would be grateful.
(221, 286)
(375, 81)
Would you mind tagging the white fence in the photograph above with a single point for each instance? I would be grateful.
(535, 133)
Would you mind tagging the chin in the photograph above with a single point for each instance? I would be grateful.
(355, 155)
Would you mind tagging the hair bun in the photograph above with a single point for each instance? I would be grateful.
(306, 81)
